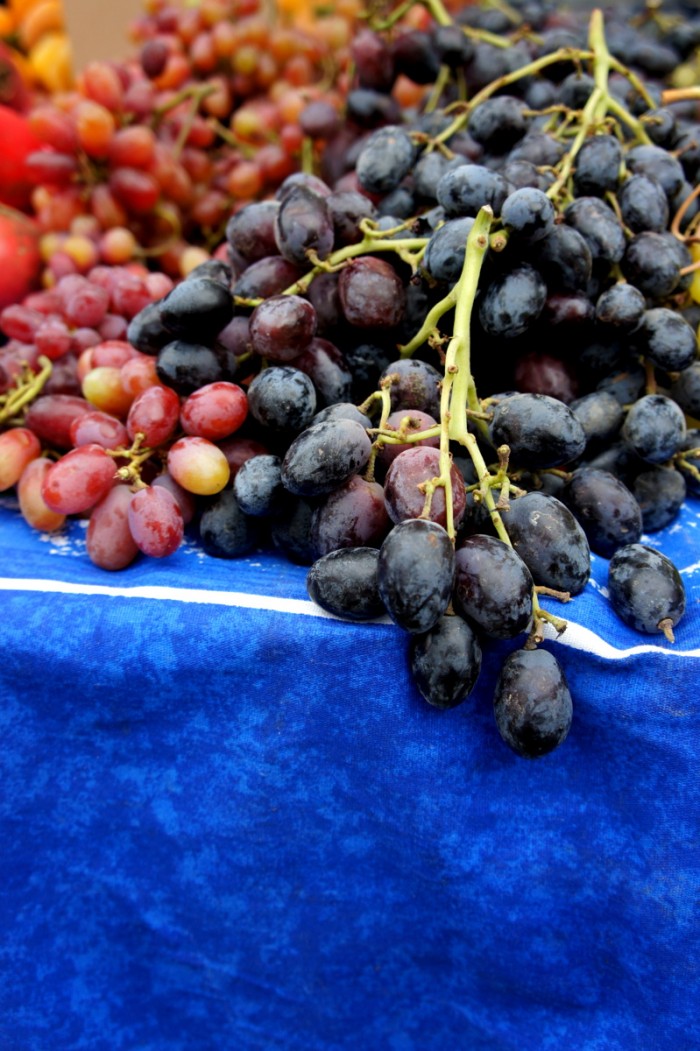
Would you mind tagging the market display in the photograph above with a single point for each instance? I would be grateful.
(412, 299)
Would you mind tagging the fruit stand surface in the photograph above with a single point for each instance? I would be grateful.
(229, 821)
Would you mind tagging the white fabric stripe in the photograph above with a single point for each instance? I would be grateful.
(576, 635)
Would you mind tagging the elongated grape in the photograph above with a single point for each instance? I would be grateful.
(445, 662)
(493, 586)
(324, 456)
(34, 508)
(416, 567)
(78, 480)
(344, 582)
(155, 521)
(109, 542)
(550, 542)
(532, 703)
(646, 590)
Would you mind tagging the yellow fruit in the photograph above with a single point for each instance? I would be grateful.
(46, 17)
(51, 62)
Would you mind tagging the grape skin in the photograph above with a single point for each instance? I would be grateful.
(645, 588)
(532, 703)
(344, 582)
(445, 662)
(415, 571)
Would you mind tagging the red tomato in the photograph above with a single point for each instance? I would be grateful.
(18, 141)
(20, 262)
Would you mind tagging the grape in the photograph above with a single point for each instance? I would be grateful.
(198, 466)
(550, 542)
(415, 570)
(540, 431)
(409, 471)
(599, 225)
(387, 156)
(512, 303)
(197, 309)
(444, 255)
(600, 415)
(415, 57)
(32, 505)
(146, 330)
(347, 209)
(282, 327)
(654, 428)
(99, 428)
(214, 411)
(251, 231)
(445, 662)
(498, 123)
(353, 515)
(258, 486)
(303, 222)
(283, 399)
(109, 542)
(564, 259)
(646, 590)
(528, 214)
(78, 480)
(371, 293)
(532, 703)
(643, 204)
(155, 521)
(606, 509)
(224, 530)
(621, 307)
(409, 423)
(666, 339)
(188, 366)
(18, 447)
(467, 188)
(154, 413)
(660, 493)
(185, 500)
(656, 163)
(50, 418)
(324, 456)
(685, 390)
(413, 385)
(266, 277)
(493, 587)
(652, 263)
(290, 532)
(597, 166)
(342, 410)
(344, 582)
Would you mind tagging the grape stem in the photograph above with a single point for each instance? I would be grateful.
(28, 387)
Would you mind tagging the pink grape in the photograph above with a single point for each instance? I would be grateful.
(185, 500)
(51, 416)
(214, 411)
(155, 414)
(78, 480)
(99, 428)
(109, 542)
(409, 470)
(155, 521)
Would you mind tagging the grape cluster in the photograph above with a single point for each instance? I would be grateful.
(440, 369)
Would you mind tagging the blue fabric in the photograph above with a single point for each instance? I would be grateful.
(241, 828)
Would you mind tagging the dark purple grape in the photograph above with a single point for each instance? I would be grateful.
(550, 542)
(621, 307)
(605, 508)
(493, 587)
(598, 224)
(386, 157)
(402, 487)
(466, 189)
(597, 170)
(214, 270)
(415, 56)
(445, 662)
(188, 366)
(324, 296)
(643, 204)
(344, 582)
(545, 374)
(290, 531)
(266, 277)
(540, 431)
(353, 515)
(411, 422)
(528, 214)
(258, 486)
(660, 493)
(512, 303)
(574, 92)
(282, 327)
(319, 119)
(564, 259)
(532, 703)
(444, 254)
(368, 108)
(305, 179)
(414, 385)
(251, 231)
(654, 428)
(224, 530)
(348, 208)
(685, 390)
(659, 164)
(371, 293)
(283, 399)
(646, 590)
(416, 563)
(539, 149)
(324, 456)
(342, 410)
(197, 309)
(498, 123)
(601, 416)
(303, 222)
(666, 339)
(653, 263)
(374, 65)
(451, 46)
(146, 331)
(326, 366)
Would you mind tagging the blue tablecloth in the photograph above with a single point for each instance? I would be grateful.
(230, 822)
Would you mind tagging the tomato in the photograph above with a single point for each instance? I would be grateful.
(18, 141)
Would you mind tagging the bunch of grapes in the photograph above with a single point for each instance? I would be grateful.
(147, 157)
(440, 369)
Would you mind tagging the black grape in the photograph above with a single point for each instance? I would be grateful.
(540, 431)
(550, 542)
(445, 662)
(324, 456)
(416, 564)
(532, 703)
(344, 582)
(646, 589)
(493, 586)
(606, 509)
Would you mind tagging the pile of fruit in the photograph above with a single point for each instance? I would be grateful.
(412, 299)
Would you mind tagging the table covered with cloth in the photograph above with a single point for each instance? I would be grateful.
(229, 821)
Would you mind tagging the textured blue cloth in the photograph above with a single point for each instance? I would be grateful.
(230, 822)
